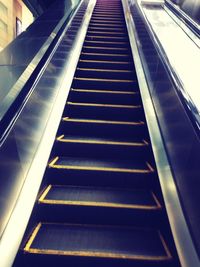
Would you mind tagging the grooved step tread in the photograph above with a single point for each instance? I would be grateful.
(85, 120)
(103, 105)
(100, 197)
(98, 241)
(91, 164)
(104, 91)
(101, 141)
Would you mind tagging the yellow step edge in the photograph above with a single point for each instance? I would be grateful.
(105, 70)
(140, 123)
(156, 200)
(103, 105)
(104, 80)
(99, 142)
(53, 165)
(106, 61)
(169, 256)
(105, 54)
(28, 249)
(97, 204)
(105, 91)
(32, 237)
(96, 254)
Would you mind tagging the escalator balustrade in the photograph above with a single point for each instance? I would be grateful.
(100, 202)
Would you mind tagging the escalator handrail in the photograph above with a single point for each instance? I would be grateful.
(194, 26)
(8, 110)
(187, 102)
(182, 236)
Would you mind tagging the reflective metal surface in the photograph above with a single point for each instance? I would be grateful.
(19, 59)
(182, 56)
(180, 137)
(179, 134)
(190, 7)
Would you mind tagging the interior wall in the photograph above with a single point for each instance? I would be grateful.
(10, 12)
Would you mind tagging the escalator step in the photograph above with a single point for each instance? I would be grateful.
(102, 197)
(105, 74)
(99, 205)
(107, 29)
(106, 56)
(103, 105)
(91, 164)
(116, 243)
(105, 33)
(105, 97)
(110, 84)
(101, 141)
(106, 38)
(108, 26)
(104, 111)
(89, 146)
(115, 65)
(101, 128)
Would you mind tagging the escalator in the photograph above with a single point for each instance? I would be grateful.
(100, 202)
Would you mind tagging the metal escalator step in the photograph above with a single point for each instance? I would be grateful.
(107, 22)
(104, 111)
(98, 13)
(99, 64)
(122, 243)
(105, 91)
(104, 38)
(100, 28)
(108, 6)
(107, 43)
(121, 130)
(111, 122)
(105, 73)
(104, 97)
(104, 50)
(108, 84)
(108, 18)
(103, 105)
(106, 56)
(108, 26)
(105, 33)
(121, 166)
(100, 128)
(104, 147)
(101, 141)
(100, 197)
(99, 49)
